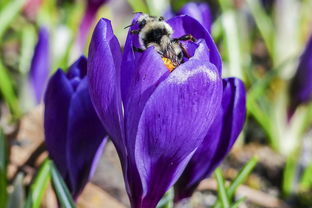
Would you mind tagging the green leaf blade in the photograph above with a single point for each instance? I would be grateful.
(223, 195)
(7, 91)
(3, 165)
(242, 176)
(16, 199)
(238, 202)
(167, 200)
(39, 186)
(138, 6)
(8, 13)
(61, 189)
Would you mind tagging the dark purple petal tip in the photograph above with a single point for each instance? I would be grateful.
(78, 68)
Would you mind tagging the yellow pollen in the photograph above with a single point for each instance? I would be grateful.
(168, 63)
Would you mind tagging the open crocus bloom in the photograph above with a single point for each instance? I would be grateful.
(74, 135)
(157, 119)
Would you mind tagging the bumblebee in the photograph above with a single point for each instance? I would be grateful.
(154, 31)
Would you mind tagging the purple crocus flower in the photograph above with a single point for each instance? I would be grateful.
(87, 21)
(199, 11)
(40, 65)
(74, 134)
(301, 87)
(219, 139)
(155, 118)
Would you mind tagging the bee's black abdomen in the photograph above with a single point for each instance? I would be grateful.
(154, 36)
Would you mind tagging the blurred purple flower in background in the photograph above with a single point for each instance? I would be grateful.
(157, 119)
(301, 86)
(219, 139)
(92, 6)
(40, 65)
(73, 133)
(199, 11)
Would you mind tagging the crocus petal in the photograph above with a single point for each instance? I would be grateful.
(201, 52)
(57, 101)
(234, 110)
(128, 63)
(85, 135)
(199, 11)
(40, 64)
(128, 59)
(198, 166)
(150, 71)
(183, 25)
(168, 13)
(301, 87)
(78, 69)
(219, 140)
(104, 78)
(172, 125)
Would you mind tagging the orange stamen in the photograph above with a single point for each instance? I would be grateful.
(168, 63)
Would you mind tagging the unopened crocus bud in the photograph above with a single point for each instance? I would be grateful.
(74, 135)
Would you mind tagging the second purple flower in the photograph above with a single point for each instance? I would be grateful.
(74, 135)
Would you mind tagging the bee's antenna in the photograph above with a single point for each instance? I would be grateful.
(137, 12)
(128, 26)
(136, 22)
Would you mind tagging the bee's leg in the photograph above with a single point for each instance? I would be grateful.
(135, 31)
(160, 53)
(186, 54)
(186, 37)
(140, 50)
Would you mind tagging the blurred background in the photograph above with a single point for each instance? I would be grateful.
(266, 43)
